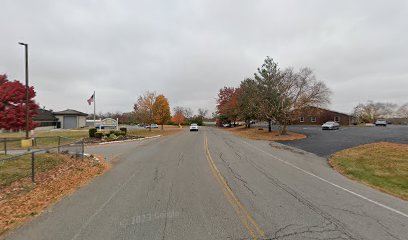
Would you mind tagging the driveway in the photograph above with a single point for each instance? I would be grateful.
(213, 185)
(325, 143)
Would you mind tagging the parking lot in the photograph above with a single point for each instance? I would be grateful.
(325, 143)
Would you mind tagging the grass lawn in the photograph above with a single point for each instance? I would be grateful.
(381, 165)
(16, 169)
(62, 133)
(254, 133)
(43, 139)
(50, 138)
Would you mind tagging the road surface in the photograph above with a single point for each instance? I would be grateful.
(213, 185)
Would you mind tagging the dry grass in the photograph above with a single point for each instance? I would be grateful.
(50, 139)
(20, 200)
(254, 133)
(62, 133)
(43, 139)
(168, 130)
(382, 165)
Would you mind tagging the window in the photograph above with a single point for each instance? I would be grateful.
(337, 119)
(302, 119)
(313, 119)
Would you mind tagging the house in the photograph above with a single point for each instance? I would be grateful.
(71, 118)
(318, 116)
(46, 120)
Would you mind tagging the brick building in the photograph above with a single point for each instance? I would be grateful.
(318, 116)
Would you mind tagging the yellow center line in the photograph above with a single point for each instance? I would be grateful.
(240, 210)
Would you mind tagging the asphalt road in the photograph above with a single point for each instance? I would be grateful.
(327, 142)
(212, 185)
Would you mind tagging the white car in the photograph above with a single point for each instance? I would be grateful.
(381, 122)
(330, 125)
(193, 127)
(152, 126)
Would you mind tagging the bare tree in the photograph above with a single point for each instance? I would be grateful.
(296, 91)
(403, 112)
(188, 112)
(371, 111)
(202, 112)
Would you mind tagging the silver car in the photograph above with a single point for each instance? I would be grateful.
(330, 125)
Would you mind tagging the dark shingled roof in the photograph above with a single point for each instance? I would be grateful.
(44, 115)
(71, 112)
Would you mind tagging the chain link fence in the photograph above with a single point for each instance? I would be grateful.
(13, 145)
(18, 164)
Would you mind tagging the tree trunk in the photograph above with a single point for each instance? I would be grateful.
(162, 127)
(269, 125)
(283, 130)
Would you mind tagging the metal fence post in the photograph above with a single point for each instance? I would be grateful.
(32, 167)
(83, 149)
(5, 146)
(59, 143)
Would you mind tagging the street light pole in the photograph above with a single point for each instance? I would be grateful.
(26, 87)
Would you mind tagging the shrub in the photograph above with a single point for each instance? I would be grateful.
(169, 122)
(120, 133)
(123, 129)
(112, 131)
(113, 136)
(99, 134)
(92, 132)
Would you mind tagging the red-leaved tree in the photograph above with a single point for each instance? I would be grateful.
(12, 105)
(227, 104)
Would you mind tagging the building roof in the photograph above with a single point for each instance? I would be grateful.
(71, 112)
(44, 115)
(324, 109)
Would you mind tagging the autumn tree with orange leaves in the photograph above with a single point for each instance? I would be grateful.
(161, 110)
(143, 108)
(227, 104)
(178, 116)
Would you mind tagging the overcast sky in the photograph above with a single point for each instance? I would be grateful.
(187, 50)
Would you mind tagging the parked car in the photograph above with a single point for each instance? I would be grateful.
(193, 127)
(381, 122)
(330, 125)
(152, 126)
(226, 125)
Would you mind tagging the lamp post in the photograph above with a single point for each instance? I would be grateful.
(26, 86)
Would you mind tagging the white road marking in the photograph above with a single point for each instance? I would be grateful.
(327, 181)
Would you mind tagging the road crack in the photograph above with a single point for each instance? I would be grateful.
(167, 210)
(365, 215)
(235, 174)
(339, 225)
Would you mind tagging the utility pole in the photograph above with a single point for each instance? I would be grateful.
(26, 87)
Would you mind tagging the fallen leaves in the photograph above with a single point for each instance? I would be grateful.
(22, 199)
(256, 134)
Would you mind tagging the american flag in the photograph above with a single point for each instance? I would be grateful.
(91, 99)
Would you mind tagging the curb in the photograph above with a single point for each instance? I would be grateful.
(129, 140)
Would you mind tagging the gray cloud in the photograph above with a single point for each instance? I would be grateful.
(187, 50)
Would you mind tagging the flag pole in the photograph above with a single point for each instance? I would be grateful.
(94, 100)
